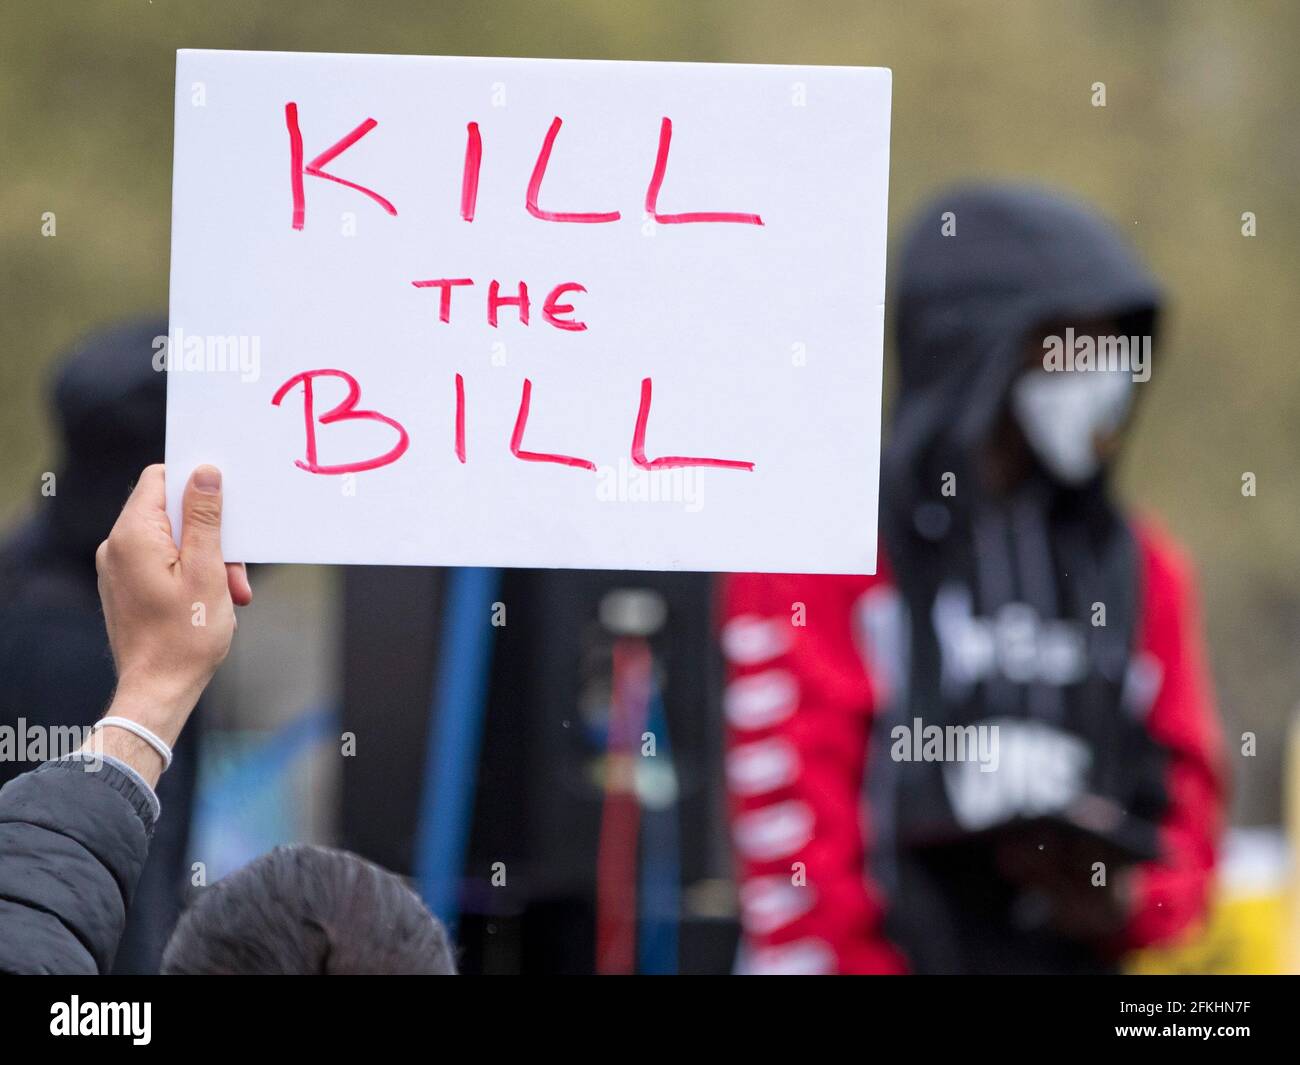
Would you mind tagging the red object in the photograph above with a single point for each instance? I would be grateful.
(345, 412)
(460, 418)
(446, 284)
(657, 181)
(806, 693)
(669, 461)
(620, 819)
(496, 301)
(1173, 894)
(473, 161)
(517, 439)
(535, 188)
(315, 168)
(552, 308)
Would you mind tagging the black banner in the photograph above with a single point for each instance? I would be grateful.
(881, 1015)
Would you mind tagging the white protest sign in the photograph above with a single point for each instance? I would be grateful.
(517, 312)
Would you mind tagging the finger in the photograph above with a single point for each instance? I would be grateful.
(241, 591)
(149, 497)
(201, 519)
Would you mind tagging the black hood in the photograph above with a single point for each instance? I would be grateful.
(1015, 258)
(110, 410)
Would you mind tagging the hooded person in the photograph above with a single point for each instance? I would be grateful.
(109, 403)
(1043, 789)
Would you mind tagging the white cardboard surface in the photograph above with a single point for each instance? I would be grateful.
(763, 343)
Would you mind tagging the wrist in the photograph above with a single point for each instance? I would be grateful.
(162, 705)
(111, 741)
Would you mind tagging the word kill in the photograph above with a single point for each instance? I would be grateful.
(347, 411)
(298, 171)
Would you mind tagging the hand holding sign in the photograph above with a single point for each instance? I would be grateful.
(169, 611)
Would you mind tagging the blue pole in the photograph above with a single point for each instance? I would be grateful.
(456, 712)
(660, 881)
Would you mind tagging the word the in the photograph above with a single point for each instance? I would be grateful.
(552, 308)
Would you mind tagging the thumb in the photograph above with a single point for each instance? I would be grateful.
(201, 519)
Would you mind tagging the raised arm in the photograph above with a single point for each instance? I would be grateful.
(74, 834)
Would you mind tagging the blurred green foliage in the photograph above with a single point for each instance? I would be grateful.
(1201, 124)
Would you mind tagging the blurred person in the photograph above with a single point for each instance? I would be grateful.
(1000, 753)
(309, 911)
(109, 406)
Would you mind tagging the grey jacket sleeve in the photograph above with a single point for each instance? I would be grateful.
(74, 835)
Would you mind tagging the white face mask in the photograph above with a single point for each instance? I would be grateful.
(1062, 414)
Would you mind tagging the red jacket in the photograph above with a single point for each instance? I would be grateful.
(798, 705)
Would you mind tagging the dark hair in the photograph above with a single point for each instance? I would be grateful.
(307, 910)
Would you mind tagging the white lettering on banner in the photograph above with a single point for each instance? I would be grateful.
(102, 1018)
(1040, 771)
